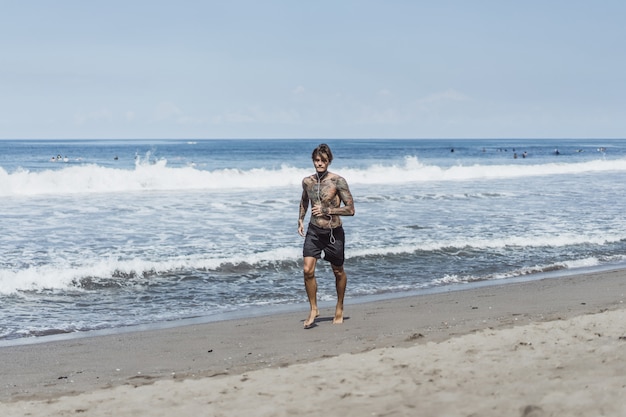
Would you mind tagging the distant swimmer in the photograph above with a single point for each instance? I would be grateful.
(556, 152)
(525, 154)
(59, 158)
(115, 158)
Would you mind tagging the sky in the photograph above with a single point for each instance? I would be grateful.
(183, 69)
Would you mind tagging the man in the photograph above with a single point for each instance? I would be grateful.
(325, 191)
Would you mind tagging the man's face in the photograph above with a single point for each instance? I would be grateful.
(321, 163)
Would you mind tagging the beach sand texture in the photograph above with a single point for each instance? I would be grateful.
(551, 347)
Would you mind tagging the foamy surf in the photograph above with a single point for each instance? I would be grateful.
(158, 176)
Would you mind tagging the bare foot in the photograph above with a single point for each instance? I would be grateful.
(311, 319)
(338, 319)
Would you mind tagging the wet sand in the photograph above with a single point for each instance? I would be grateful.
(548, 347)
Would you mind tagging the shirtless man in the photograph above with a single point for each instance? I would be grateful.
(324, 191)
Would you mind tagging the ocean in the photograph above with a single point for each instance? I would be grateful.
(107, 235)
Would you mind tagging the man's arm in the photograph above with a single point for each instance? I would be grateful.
(343, 191)
(304, 205)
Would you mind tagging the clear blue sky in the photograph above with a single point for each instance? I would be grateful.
(312, 69)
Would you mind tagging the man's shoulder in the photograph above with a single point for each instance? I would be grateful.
(308, 179)
(335, 177)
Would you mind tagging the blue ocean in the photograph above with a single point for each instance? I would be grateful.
(110, 235)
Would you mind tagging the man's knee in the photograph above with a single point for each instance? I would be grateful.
(309, 268)
(309, 273)
(337, 269)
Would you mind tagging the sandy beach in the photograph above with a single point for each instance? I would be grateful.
(548, 347)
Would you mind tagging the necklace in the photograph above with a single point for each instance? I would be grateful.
(319, 201)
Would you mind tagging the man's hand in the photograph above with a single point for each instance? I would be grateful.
(301, 228)
(318, 210)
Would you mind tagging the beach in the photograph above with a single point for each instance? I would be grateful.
(541, 347)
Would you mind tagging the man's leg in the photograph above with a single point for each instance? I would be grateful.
(310, 284)
(341, 281)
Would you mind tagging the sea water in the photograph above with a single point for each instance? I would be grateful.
(108, 234)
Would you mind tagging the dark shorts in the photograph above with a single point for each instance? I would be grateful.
(318, 240)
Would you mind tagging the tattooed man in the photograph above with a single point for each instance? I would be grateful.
(324, 191)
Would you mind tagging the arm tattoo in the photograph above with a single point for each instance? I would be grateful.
(304, 202)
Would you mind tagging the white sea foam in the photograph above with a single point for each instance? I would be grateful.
(158, 176)
(537, 269)
(62, 276)
(531, 241)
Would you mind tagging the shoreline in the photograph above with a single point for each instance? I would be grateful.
(73, 366)
(262, 311)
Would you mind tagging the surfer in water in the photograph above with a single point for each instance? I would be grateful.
(325, 192)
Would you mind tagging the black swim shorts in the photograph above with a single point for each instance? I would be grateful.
(318, 239)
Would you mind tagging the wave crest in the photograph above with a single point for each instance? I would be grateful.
(158, 176)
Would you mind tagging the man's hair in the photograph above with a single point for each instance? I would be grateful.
(323, 149)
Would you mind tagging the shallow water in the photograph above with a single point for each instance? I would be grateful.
(178, 229)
